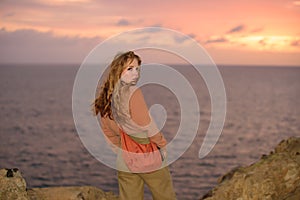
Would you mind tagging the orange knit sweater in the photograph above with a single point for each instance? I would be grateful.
(139, 114)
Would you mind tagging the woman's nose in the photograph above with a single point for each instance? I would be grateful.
(136, 72)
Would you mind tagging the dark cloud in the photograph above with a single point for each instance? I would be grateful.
(123, 22)
(181, 39)
(295, 43)
(236, 29)
(156, 25)
(217, 40)
(150, 29)
(257, 30)
(192, 35)
(9, 14)
(30, 46)
(262, 42)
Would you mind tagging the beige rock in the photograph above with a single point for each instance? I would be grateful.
(70, 193)
(273, 177)
(12, 185)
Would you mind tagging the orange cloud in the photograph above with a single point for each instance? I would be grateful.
(296, 3)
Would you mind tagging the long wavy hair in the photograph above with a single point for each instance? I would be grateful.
(102, 104)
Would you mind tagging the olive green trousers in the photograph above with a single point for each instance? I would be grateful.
(131, 185)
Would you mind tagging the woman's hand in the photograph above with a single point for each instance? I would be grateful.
(163, 153)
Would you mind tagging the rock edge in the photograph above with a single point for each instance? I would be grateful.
(274, 177)
(13, 187)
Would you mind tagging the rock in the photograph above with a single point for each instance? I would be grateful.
(12, 185)
(70, 193)
(274, 177)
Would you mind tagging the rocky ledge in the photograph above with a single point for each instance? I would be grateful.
(274, 177)
(13, 187)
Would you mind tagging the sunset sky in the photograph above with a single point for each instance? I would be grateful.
(234, 32)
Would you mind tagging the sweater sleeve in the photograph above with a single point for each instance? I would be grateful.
(111, 132)
(140, 115)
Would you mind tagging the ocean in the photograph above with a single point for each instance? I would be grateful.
(38, 135)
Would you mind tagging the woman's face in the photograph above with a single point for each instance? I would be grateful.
(131, 73)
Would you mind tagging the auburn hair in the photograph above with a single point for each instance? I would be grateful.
(102, 104)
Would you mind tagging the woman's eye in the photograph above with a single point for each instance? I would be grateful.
(133, 68)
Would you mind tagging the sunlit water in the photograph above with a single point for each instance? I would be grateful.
(38, 136)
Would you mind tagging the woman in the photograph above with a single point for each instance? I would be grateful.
(124, 115)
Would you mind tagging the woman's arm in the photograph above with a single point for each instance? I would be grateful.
(111, 132)
(140, 115)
